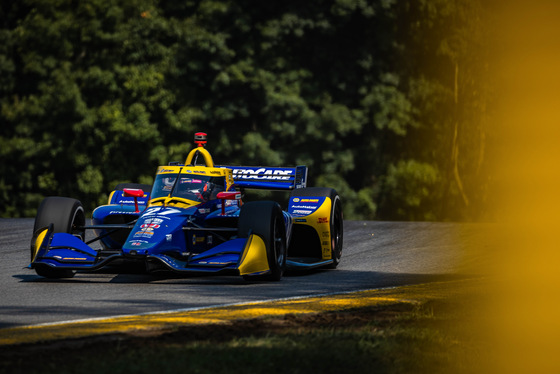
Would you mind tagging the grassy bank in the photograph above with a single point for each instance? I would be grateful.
(436, 330)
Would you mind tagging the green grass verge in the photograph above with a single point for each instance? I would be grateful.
(437, 335)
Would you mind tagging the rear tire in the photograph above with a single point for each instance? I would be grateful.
(336, 218)
(337, 231)
(67, 216)
(265, 219)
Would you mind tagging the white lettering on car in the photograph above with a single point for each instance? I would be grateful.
(263, 174)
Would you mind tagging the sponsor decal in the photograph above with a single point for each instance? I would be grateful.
(143, 234)
(168, 237)
(198, 239)
(301, 220)
(304, 207)
(166, 171)
(150, 226)
(325, 243)
(323, 220)
(263, 174)
(123, 211)
(154, 220)
(70, 258)
(301, 211)
(151, 219)
(123, 201)
(326, 234)
(295, 200)
(309, 200)
(190, 180)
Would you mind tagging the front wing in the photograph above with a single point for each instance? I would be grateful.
(242, 256)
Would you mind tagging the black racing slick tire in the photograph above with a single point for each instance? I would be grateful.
(67, 216)
(265, 219)
(336, 218)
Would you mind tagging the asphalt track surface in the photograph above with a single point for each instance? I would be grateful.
(375, 255)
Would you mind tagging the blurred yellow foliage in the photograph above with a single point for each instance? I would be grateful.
(527, 312)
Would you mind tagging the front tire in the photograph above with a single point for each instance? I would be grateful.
(67, 216)
(265, 219)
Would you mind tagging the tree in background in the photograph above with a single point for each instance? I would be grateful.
(443, 169)
(382, 100)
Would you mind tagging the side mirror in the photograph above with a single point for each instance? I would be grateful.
(228, 195)
(135, 193)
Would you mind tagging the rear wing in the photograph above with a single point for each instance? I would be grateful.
(270, 178)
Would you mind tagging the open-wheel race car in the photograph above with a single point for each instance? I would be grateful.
(193, 220)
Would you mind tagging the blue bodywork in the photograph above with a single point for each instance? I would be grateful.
(188, 223)
(166, 238)
(196, 239)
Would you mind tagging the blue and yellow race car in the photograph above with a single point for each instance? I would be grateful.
(192, 221)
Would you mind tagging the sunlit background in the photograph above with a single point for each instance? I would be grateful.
(438, 110)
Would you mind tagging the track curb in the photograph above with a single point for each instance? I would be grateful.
(170, 320)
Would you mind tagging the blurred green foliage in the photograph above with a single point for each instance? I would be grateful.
(385, 101)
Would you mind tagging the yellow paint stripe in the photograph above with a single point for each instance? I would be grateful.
(223, 314)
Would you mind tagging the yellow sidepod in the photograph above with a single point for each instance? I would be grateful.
(38, 243)
(320, 220)
(254, 259)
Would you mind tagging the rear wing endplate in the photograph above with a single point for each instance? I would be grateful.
(270, 178)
